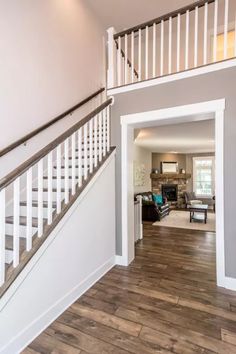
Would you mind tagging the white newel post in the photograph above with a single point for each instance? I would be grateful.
(111, 58)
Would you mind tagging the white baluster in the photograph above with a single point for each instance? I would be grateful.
(73, 163)
(58, 179)
(91, 138)
(162, 48)
(178, 43)
(16, 223)
(104, 132)
(126, 59)
(50, 188)
(29, 209)
(205, 33)
(85, 151)
(226, 19)
(139, 55)
(100, 136)
(146, 54)
(2, 235)
(123, 70)
(80, 157)
(235, 36)
(187, 40)
(132, 57)
(108, 128)
(119, 61)
(154, 51)
(66, 166)
(170, 47)
(196, 38)
(95, 141)
(40, 198)
(215, 31)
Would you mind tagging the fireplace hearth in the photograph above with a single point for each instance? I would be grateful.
(170, 191)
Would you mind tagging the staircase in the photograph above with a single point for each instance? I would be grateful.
(35, 196)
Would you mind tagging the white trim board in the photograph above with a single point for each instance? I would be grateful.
(29, 266)
(176, 114)
(173, 77)
(32, 328)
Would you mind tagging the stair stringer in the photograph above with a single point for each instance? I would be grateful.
(75, 255)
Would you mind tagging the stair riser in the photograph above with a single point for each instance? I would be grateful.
(45, 196)
(23, 212)
(9, 256)
(54, 183)
(69, 172)
(9, 230)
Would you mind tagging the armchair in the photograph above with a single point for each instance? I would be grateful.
(191, 199)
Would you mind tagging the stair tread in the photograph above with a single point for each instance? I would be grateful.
(62, 177)
(53, 190)
(9, 243)
(70, 166)
(35, 204)
(23, 220)
(82, 157)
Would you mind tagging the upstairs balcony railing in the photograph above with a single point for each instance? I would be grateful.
(193, 36)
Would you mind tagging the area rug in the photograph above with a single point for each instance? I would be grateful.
(180, 219)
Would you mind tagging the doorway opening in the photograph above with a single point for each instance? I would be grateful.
(211, 110)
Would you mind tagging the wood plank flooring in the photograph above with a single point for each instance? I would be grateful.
(166, 301)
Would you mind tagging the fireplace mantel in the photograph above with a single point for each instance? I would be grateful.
(170, 175)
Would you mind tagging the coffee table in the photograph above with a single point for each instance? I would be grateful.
(198, 212)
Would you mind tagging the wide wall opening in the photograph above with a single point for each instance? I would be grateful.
(172, 165)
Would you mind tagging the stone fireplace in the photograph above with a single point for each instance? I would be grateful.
(173, 184)
(170, 191)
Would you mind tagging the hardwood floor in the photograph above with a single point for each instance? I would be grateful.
(166, 301)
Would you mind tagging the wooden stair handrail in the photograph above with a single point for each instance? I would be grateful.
(165, 17)
(12, 176)
(27, 137)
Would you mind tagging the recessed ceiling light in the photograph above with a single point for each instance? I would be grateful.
(173, 152)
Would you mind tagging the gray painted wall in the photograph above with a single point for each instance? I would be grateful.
(158, 157)
(205, 87)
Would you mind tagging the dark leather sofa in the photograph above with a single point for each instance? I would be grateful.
(152, 211)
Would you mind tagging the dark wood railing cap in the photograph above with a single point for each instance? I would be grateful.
(29, 136)
(12, 176)
(165, 17)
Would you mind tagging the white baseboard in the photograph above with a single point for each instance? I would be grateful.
(120, 261)
(27, 335)
(230, 283)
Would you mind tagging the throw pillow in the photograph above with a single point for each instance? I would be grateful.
(158, 198)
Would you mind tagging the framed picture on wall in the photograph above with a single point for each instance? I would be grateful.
(169, 167)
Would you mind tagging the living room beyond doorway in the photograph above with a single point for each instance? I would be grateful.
(174, 176)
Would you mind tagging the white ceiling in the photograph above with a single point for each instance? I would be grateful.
(194, 137)
(122, 14)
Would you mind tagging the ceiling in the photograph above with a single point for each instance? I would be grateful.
(122, 14)
(194, 137)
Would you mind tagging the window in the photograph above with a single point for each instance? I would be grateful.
(204, 176)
